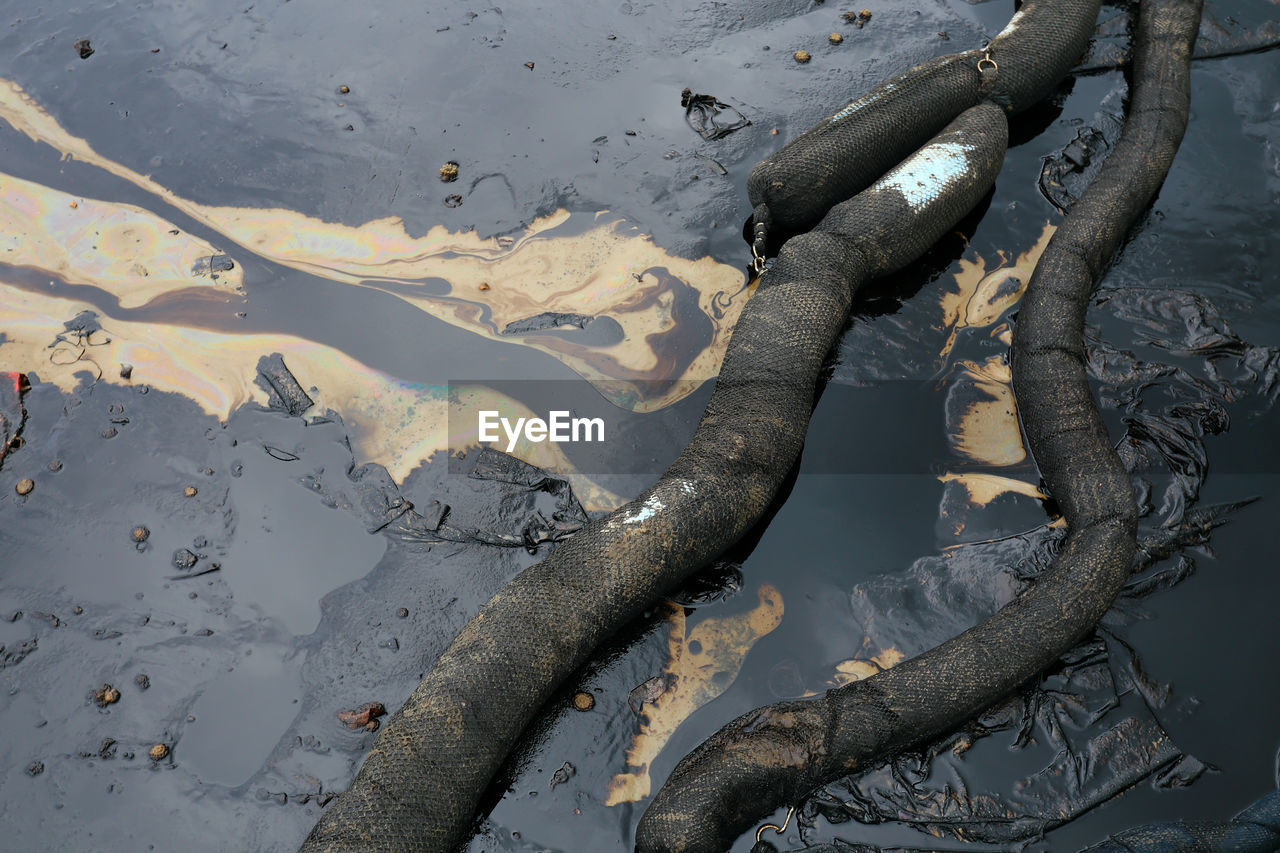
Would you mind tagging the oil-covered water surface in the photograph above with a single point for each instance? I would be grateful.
(264, 265)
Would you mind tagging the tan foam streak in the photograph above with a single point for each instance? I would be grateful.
(701, 667)
(125, 250)
(980, 297)
(394, 423)
(605, 268)
(987, 430)
(982, 488)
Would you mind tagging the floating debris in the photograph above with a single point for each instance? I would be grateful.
(159, 752)
(835, 38)
(802, 56)
(583, 701)
(184, 559)
(713, 164)
(25, 485)
(211, 265)
(545, 321)
(344, 90)
(365, 717)
(140, 533)
(83, 48)
(142, 680)
(858, 19)
(564, 774)
(449, 172)
(710, 117)
(106, 695)
(189, 491)
(284, 393)
(13, 413)
(1065, 173)
(649, 692)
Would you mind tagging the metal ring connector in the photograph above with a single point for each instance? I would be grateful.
(990, 63)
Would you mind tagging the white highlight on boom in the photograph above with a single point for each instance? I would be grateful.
(1012, 25)
(865, 101)
(647, 511)
(921, 175)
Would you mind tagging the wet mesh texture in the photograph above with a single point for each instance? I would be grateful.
(775, 755)
(840, 157)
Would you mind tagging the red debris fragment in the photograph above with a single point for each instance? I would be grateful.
(365, 717)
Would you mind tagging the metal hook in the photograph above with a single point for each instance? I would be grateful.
(758, 260)
(778, 829)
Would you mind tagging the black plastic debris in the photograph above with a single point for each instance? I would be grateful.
(211, 265)
(82, 330)
(283, 391)
(564, 774)
(1219, 36)
(710, 117)
(1096, 716)
(526, 508)
(83, 48)
(546, 320)
(13, 415)
(380, 497)
(378, 501)
(567, 515)
(1065, 173)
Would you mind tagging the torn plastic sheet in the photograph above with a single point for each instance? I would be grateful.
(1092, 724)
(13, 414)
(1094, 715)
(1066, 173)
(710, 117)
(547, 321)
(1188, 324)
(283, 391)
(566, 515)
(1221, 34)
(518, 505)
(372, 493)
